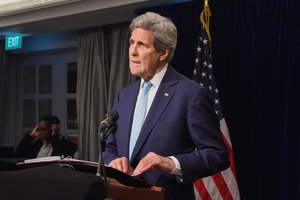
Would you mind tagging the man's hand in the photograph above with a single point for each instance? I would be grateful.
(34, 132)
(153, 161)
(121, 164)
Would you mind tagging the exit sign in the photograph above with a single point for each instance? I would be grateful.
(13, 41)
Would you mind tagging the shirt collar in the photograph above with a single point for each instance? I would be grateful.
(157, 78)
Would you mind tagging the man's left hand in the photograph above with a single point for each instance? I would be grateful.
(153, 161)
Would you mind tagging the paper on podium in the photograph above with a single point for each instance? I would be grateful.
(59, 159)
(87, 166)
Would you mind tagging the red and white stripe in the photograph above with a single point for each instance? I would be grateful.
(221, 186)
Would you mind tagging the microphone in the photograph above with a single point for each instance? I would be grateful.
(110, 119)
(106, 127)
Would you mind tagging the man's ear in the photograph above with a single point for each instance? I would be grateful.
(164, 54)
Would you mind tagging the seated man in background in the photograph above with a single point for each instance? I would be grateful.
(45, 140)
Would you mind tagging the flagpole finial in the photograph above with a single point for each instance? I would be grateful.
(205, 2)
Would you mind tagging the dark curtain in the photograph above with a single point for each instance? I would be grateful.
(103, 69)
(256, 57)
(3, 86)
(92, 84)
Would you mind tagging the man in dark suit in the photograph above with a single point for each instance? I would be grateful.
(180, 138)
(45, 140)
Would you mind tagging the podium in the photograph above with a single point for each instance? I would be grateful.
(50, 182)
(117, 190)
(120, 185)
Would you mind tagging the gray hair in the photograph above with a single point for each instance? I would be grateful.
(164, 31)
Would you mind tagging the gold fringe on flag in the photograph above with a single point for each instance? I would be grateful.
(204, 18)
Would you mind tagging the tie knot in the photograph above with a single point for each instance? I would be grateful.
(147, 85)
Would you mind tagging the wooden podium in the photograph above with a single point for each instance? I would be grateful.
(117, 190)
(120, 185)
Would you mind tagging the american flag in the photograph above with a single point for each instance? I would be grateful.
(224, 184)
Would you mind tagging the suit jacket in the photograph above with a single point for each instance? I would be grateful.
(29, 147)
(182, 123)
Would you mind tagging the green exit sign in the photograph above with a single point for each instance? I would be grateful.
(13, 41)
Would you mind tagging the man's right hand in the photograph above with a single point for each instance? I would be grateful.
(121, 164)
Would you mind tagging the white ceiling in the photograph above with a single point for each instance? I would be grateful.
(73, 15)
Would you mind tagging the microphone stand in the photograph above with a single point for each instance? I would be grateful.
(102, 136)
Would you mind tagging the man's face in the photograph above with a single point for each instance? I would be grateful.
(144, 60)
(43, 130)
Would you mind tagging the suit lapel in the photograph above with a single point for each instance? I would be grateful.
(163, 96)
(128, 111)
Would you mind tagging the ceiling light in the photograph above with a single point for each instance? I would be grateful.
(9, 7)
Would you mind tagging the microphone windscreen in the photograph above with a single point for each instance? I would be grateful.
(114, 115)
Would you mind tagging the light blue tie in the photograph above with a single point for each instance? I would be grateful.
(139, 116)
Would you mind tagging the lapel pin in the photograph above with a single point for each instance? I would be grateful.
(166, 94)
